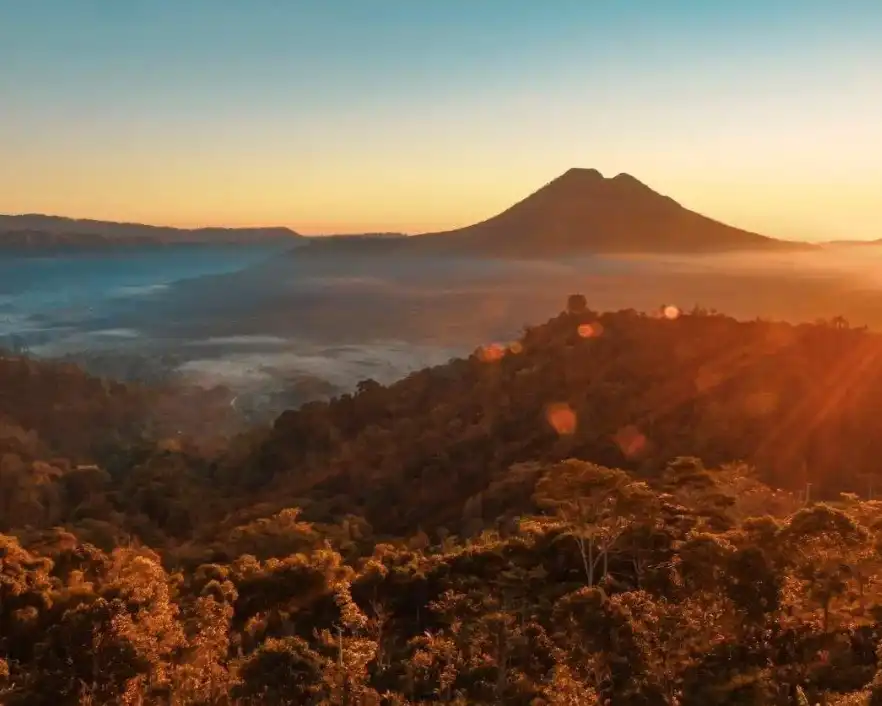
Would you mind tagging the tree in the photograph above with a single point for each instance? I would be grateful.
(130, 631)
(26, 595)
(821, 541)
(577, 304)
(281, 671)
(592, 501)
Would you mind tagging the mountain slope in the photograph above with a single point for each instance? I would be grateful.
(581, 211)
(638, 390)
(38, 231)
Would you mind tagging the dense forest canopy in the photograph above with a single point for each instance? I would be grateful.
(617, 508)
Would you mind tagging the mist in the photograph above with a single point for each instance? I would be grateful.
(295, 326)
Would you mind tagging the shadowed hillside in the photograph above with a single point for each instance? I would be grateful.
(796, 401)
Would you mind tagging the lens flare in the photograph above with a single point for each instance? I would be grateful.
(590, 330)
(630, 441)
(562, 418)
(670, 312)
(491, 353)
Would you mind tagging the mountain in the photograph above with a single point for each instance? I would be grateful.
(582, 211)
(40, 231)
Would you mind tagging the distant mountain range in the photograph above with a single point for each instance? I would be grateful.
(39, 231)
(579, 212)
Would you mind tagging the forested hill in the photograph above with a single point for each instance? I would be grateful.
(531, 526)
(64, 435)
(71, 414)
(639, 389)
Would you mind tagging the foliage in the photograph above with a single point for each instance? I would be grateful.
(443, 541)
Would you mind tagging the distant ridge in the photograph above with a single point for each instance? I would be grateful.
(582, 211)
(851, 243)
(579, 212)
(41, 231)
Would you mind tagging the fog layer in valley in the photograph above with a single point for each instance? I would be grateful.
(286, 327)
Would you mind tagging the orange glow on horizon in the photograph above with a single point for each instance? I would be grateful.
(258, 191)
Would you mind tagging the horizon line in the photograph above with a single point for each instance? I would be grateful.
(344, 233)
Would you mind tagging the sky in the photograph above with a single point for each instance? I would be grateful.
(418, 115)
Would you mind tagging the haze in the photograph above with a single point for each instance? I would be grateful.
(298, 327)
(401, 116)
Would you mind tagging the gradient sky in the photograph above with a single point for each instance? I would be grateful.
(413, 115)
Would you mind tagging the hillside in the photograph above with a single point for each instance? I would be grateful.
(34, 231)
(54, 410)
(796, 401)
(529, 526)
(583, 212)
